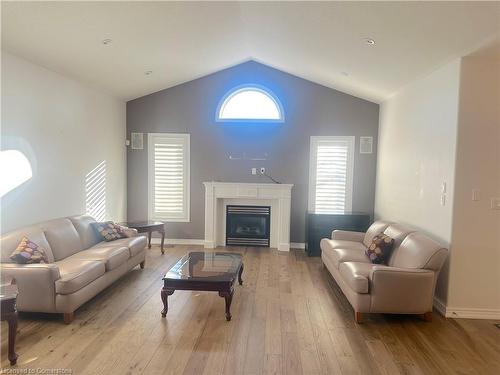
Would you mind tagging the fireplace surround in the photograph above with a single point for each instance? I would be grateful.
(218, 195)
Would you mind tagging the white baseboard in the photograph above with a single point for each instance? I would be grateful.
(440, 306)
(178, 241)
(297, 245)
(465, 313)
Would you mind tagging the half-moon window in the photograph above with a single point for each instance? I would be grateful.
(250, 103)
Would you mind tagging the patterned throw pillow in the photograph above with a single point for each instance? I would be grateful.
(108, 230)
(380, 248)
(28, 252)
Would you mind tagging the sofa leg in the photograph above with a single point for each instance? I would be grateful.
(358, 317)
(68, 317)
(428, 316)
(142, 264)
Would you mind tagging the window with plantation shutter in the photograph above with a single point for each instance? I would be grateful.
(168, 176)
(331, 174)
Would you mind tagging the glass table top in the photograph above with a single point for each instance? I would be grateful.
(205, 266)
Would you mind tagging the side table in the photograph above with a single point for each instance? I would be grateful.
(8, 297)
(149, 227)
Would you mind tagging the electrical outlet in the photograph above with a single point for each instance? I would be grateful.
(254, 171)
(262, 170)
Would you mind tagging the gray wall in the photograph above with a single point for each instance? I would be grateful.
(310, 109)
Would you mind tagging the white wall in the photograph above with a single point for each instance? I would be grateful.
(416, 154)
(475, 264)
(66, 130)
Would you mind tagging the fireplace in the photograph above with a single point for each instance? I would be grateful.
(248, 225)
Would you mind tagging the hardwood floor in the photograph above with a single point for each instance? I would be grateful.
(288, 318)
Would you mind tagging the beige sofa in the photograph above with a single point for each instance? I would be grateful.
(80, 265)
(404, 286)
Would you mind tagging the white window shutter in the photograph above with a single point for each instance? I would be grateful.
(169, 176)
(331, 173)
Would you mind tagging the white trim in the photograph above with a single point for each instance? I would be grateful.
(297, 245)
(465, 313)
(187, 188)
(178, 241)
(351, 140)
(440, 306)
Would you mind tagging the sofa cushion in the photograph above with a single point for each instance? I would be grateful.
(134, 244)
(356, 275)
(28, 252)
(338, 256)
(62, 237)
(87, 233)
(326, 243)
(380, 249)
(77, 273)
(374, 229)
(10, 241)
(112, 256)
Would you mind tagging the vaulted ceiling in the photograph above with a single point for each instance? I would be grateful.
(180, 41)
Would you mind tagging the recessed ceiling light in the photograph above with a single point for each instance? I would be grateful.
(106, 41)
(370, 41)
(148, 73)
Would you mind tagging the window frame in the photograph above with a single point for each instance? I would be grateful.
(313, 147)
(186, 138)
(255, 87)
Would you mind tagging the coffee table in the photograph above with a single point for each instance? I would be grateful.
(204, 271)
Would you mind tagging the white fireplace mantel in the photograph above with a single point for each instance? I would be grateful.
(219, 194)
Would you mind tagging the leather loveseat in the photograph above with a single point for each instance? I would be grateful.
(80, 264)
(405, 285)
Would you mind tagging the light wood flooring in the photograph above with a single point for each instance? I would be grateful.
(288, 318)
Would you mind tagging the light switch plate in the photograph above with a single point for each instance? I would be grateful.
(495, 203)
(476, 195)
(443, 200)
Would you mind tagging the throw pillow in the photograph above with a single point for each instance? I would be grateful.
(108, 231)
(28, 252)
(380, 248)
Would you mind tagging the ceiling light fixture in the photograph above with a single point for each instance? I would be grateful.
(148, 73)
(107, 41)
(370, 41)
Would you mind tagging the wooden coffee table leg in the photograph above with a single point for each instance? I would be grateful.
(162, 241)
(228, 296)
(164, 297)
(240, 280)
(12, 321)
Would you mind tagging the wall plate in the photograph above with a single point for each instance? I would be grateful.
(365, 145)
(137, 141)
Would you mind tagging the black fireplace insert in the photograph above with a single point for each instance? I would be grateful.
(248, 225)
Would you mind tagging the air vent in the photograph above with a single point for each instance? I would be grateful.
(137, 141)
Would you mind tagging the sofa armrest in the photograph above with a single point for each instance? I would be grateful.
(36, 285)
(401, 290)
(347, 235)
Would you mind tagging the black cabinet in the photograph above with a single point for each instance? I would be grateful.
(320, 226)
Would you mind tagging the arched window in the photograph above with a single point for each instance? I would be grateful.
(15, 170)
(250, 103)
